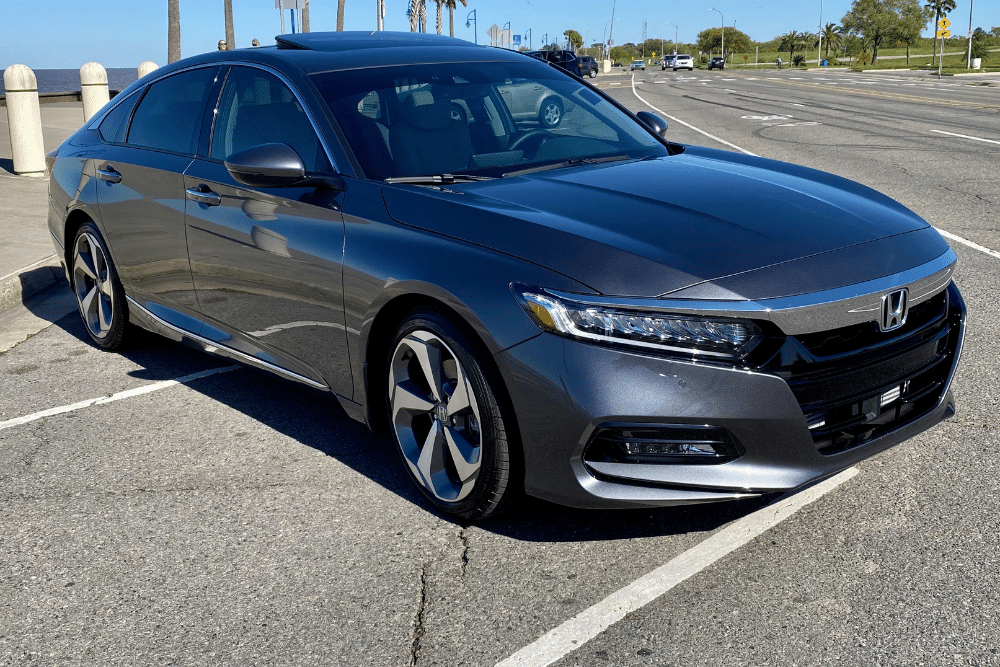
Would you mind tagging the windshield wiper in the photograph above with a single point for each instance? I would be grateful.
(572, 162)
(439, 179)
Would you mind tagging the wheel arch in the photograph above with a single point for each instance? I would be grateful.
(76, 219)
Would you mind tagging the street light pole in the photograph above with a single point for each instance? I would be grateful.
(611, 35)
(675, 35)
(819, 49)
(471, 18)
(969, 63)
(505, 34)
(527, 33)
(713, 9)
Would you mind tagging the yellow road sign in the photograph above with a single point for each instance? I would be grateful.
(943, 33)
(944, 23)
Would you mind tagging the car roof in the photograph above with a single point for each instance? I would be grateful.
(315, 52)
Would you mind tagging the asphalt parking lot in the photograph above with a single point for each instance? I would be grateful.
(232, 518)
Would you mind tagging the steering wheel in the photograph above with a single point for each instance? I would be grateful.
(544, 135)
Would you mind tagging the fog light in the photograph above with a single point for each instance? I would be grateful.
(669, 448)
(668, 443)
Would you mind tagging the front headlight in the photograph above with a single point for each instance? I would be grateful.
(695, 337)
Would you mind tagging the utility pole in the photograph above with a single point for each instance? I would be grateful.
(819, 49)
(643, 40)
(968, 65)
(611, 35)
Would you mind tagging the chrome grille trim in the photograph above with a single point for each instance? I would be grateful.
(804, 313)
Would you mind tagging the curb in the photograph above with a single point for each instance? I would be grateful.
(17, 287)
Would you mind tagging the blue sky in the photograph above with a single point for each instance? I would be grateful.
(123, 33)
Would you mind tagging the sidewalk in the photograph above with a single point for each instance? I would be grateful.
(27, 258)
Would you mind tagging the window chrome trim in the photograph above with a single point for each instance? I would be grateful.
(802, 313)
(295, 91)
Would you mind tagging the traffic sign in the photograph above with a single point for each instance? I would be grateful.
(944, 23)
(943, 33)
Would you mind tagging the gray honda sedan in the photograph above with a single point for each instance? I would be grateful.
(522, 305)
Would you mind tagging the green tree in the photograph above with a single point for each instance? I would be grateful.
(791, 42)
(832, 38)
(940, 8)
(880, 20)
(711, 40)
(574, 39)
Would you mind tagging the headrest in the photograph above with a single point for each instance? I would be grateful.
(422, 112)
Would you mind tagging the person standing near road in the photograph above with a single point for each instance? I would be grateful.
(778, 62)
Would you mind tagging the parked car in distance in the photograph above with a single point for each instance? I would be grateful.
(567, 61)
(529, 100)
(638, 64)
(525, 309)
(717, 62)
(667, 61)
(683, 61)
(588, 66)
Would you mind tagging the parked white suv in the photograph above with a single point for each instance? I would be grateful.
(684, 61)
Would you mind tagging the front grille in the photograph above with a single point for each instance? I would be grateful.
(858, 383)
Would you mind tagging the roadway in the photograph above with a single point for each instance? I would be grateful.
(232, 518)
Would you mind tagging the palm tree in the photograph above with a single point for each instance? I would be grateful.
(940, 8)
(832, 38)
(791, 41)
(440, 15)
(417, 12)
(340, 15)
(173, 31)
(305, 16)
(451, 14)
(230, 37)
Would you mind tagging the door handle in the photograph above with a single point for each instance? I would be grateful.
(109, 174)
(206, 196)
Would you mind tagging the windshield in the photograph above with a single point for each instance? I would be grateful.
(476, 119)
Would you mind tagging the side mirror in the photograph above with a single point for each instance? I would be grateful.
(267, 166)
(653, 122)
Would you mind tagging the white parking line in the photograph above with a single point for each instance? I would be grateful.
(971, 244)
(129, 393)
(965, 136)
(577, 631)
(678, 120)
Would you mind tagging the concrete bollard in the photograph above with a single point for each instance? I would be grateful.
(24, 120)
(93, 89)
(146, 67)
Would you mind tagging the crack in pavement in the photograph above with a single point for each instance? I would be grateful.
(418, 618)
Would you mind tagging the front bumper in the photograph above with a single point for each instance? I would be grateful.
(564, 390)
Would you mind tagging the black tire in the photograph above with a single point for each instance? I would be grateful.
(496, 481)
(100, 297)
(458, 113)
(551, 112)
(593, 73)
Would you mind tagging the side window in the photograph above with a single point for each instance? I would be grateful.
(258, 108)
(169, 116)
(115, 124)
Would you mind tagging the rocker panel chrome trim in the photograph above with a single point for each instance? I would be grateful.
(161, 326)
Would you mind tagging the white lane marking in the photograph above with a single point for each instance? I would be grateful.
(965, 136)
(796, 104)
(129, 393)
(678, 120)
(729, 91)
(31, 266)
(971, 244)
(586, 625)
(774, 117)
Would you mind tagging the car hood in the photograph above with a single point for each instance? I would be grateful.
(713, 223)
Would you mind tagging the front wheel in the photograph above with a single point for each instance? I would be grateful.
(99, 293)
(449, 423)
(593, 73)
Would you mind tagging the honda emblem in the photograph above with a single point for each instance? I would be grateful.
(895, 306)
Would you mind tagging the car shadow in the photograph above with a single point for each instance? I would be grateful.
(316, 420)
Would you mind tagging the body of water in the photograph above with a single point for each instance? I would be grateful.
(63, 80)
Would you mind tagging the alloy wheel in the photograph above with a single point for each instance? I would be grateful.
(435, 414)
(93, 285)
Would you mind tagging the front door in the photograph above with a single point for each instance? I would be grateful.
(268, 262)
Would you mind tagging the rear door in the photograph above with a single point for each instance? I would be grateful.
(268, 262)
(141, 189)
